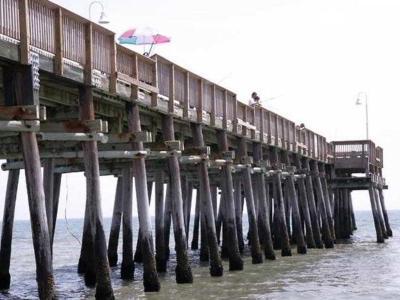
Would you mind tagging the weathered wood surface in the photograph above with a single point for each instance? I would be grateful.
(115, 225)
(7, 228)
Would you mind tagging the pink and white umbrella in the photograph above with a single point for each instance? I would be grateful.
(143, 36)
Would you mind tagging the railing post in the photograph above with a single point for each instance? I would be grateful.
(171, 89)
(59, 42)
(154, 95)
(213, 106)
(113, 65)
(234, 118)
(186, 97)
(200, 102)
(225, 110)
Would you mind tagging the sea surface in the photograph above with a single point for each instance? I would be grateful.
(358, 269)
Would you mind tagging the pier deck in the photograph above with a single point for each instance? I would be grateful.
(72, 100)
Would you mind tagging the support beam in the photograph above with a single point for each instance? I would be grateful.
(115, 225)
(263, 200)
(235, 261)
(196, 223)
(207, 212)
(127, 265)
(312, 206)
(304, 205)
(256, 253)
(7, 228)
(326, 232)
(182, 271)
(19, 90)
(385, 214)
(237, 183)
(91, 161)
(150, 278)
(161, 260)
(281, 227)
(56, 200)
(48, 182)
(378, 229)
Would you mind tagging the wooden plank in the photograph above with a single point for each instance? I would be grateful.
(20, 112)
(77, 126)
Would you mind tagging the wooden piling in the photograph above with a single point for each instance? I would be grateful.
(167, 220)
(378, 229)
(280, 220)
(238, 211)
(56, 200)
(182, 271)
(293, 201)
(138, 257)
(304, 204)
(235, 261)
(214, 197)
(206, 207)
(380, 213)
(311, 204)
(196, 223)
(48, 186)
(112, 251)
(326, 233)
(7, 228)
(337, 213)
(263, 200)
(256, 253)
(297, 228)
(150, 277)
(86, 264)
(188, 210)
(18, 90)
(127, 265)
(103, 278)
(346, 230)
(353, 218)
(327, 200)
(384, 211)
(161, 260)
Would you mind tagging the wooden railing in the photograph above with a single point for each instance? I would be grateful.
(363, 151)
(77, 47)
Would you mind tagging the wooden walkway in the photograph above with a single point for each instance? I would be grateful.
(72, 100)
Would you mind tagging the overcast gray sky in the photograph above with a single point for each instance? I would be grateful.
(313, 55)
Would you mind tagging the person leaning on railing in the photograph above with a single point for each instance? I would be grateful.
(255, 100)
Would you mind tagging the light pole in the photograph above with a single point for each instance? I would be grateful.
(103, 17)
(360, 102)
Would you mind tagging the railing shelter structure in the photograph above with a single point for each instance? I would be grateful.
(72, 100)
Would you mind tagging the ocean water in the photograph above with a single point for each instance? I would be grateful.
(358, 269)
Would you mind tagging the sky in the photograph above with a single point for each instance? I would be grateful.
(307, 59)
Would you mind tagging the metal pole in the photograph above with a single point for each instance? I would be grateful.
(366, 116)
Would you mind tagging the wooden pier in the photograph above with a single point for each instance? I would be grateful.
(72, 100)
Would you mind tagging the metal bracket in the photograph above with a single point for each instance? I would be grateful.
(20, 126)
